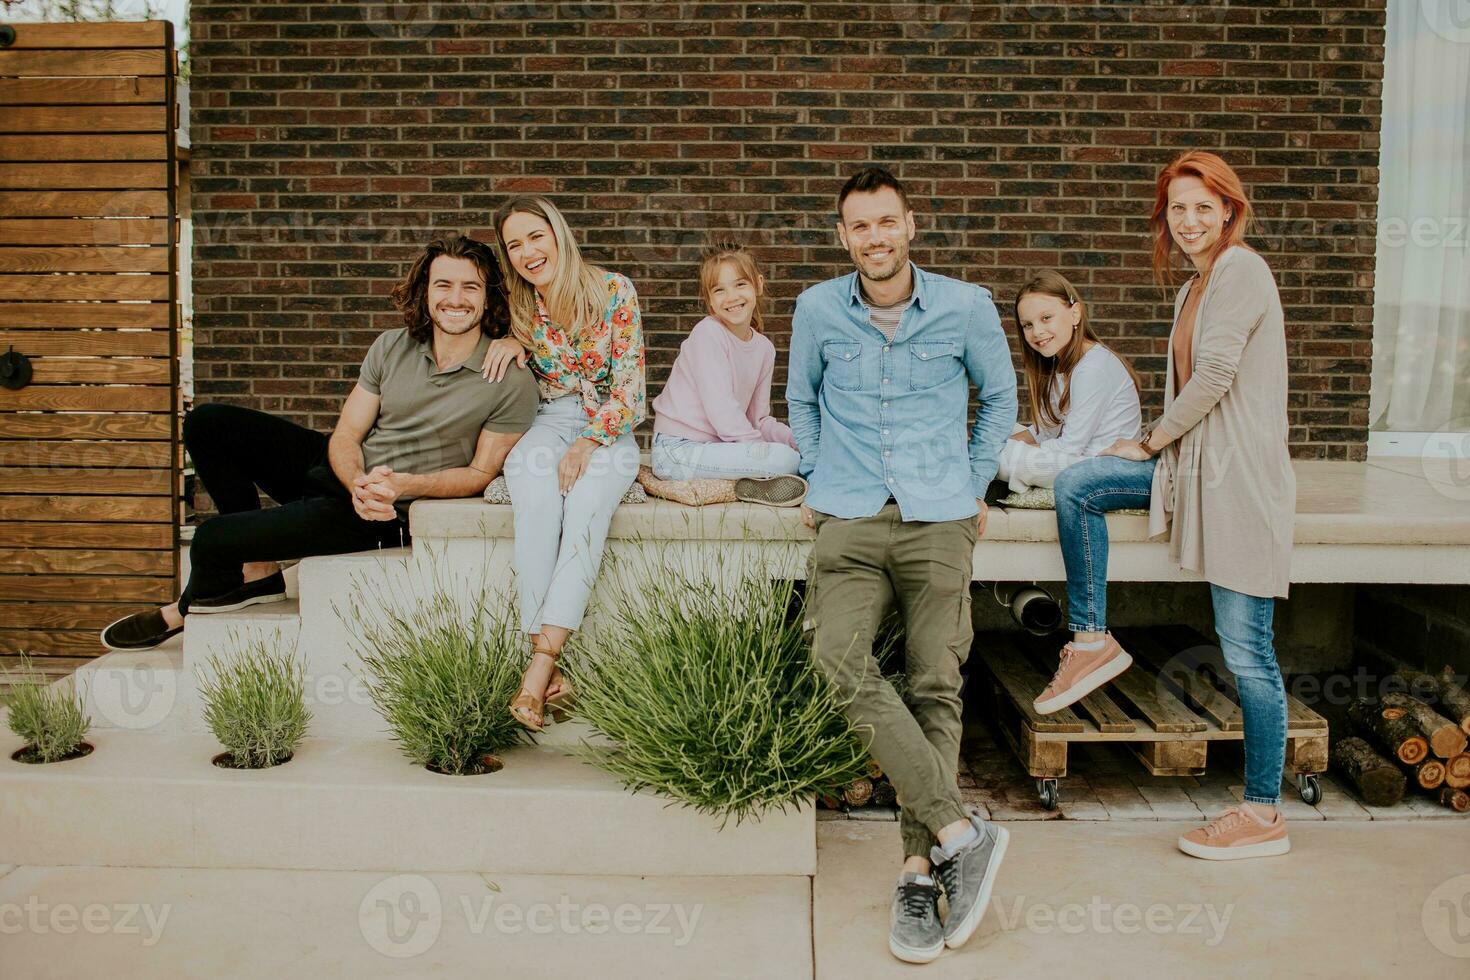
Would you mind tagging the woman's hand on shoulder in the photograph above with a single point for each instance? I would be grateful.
(499, 356)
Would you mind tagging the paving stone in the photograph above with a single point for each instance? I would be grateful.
(1169, 802)
(1084, 810)
(1022, 804)
(1338, 804)
(1123, 801)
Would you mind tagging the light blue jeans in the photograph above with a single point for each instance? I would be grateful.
(559, 540)
(674, 458)
(1085, 492)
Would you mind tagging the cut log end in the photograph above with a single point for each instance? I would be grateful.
(1443, 735)
(884, 794)
(1456, 799)
(1391, 728)
(1457, 771)
(1429, 774)
(858, 792)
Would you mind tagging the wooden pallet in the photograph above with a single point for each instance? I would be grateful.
(1176, 699)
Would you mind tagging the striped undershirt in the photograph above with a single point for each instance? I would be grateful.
(885, 318)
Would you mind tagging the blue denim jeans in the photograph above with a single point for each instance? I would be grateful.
(1244, 624)
(1085, 492)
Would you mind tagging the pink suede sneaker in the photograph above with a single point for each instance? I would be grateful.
(1237, 833)
(1081, 672)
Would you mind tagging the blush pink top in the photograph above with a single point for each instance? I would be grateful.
(720, 389)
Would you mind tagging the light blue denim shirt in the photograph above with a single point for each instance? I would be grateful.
(876, 418)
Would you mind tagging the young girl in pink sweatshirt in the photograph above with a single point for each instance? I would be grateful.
(713, 419)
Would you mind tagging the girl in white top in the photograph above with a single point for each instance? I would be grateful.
(1083, 396)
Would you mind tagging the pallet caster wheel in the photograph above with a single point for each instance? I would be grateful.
(1050, 795)
(1310, 787)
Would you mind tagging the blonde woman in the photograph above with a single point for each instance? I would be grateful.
(581, 331)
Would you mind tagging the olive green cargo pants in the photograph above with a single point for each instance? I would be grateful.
(859, 568)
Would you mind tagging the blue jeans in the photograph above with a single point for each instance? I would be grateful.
(1085, 492)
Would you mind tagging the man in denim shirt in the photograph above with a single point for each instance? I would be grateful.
(878, 389)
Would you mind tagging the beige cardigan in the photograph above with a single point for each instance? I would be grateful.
(1224, 490)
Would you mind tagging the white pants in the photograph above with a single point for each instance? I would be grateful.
(674, 458)
(1023, 465)
(559, 540)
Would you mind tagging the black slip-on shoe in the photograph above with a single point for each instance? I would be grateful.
(140, 631)
(272, 588)
(774, 491)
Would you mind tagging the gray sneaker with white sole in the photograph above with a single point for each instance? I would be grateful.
(914, 932)
(968, 878)
(774, 491)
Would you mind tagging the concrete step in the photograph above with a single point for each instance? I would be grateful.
(337, 691)
(222, 923)
(222, 634)
(135, 691)
(144, 799)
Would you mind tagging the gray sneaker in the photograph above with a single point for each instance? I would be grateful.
(915, 935)
(968, 878)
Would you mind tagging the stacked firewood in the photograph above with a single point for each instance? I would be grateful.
(1415, 739)
(874, 789)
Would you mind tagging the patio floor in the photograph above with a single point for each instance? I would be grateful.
(1085, 898)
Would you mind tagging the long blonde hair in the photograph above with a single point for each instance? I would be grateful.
(1044, 373)
(717, 255)
(576, 296)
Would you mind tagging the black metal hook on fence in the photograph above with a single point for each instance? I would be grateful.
(15, 370)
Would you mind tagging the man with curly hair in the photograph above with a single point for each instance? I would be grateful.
(420, 422)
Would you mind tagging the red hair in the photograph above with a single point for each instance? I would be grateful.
(1219, 179)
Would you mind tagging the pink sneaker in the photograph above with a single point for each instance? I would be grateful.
(1081, 672)
(1237, 833)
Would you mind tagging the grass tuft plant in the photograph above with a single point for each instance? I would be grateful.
(709, 694)
(255, 701)
(49, 719)
(443, 670)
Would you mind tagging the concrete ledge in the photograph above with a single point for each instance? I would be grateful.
(1384, 521)
(148, 800)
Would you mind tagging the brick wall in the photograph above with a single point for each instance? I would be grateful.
(329, 145)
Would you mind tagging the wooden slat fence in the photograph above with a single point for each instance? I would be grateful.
(90, 458)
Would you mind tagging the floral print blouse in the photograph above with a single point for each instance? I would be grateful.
(605, 364)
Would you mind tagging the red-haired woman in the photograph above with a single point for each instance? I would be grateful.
(1216, 474)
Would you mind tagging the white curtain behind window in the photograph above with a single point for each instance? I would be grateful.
(1421, 312)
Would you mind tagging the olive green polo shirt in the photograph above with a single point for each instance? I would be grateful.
(430, 420)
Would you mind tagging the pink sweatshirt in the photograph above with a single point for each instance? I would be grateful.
(720, 389)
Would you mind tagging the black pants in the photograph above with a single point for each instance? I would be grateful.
(237, 450)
